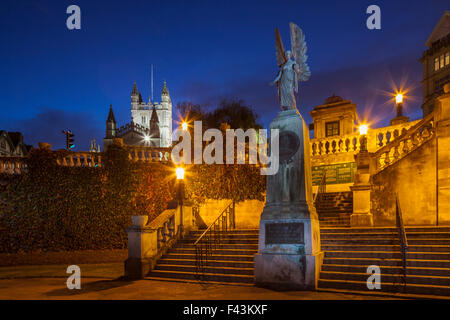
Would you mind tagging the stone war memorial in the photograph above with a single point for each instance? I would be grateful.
(289, 253)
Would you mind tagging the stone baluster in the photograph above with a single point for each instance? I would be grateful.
(159, 237)
(2, 166)
(78, 160)
(10, 167)
(85, 160)
(396, 154)
(387, 159)
(16, 167)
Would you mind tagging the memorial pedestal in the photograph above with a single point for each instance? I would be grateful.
(289, 255)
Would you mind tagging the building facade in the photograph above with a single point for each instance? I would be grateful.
(151, 122)
(436, 63)
(11, 144)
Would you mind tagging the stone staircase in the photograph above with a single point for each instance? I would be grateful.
(349, 251)
(231, 262)
(334, 209)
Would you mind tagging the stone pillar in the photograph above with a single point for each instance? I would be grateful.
(361, 216)
(289, 255)
(442, 109)
(142, 246)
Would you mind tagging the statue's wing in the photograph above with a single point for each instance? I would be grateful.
(299, 48)
(281, 55)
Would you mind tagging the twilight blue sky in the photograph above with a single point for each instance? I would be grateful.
(53, 78)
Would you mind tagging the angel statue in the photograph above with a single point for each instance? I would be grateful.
(291, 72)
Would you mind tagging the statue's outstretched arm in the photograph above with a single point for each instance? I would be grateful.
(276, 79)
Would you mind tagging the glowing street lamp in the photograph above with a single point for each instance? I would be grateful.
(363, 140)
(180, 173)
(184, 126)
(180, 178)
(399, 104)
(146, 138)
(363, 129)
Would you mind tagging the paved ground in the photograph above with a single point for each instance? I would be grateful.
(101, 281)
(100, 288)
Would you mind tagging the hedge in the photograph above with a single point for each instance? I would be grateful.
(52, 207)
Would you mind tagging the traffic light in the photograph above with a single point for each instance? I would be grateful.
(69, 139)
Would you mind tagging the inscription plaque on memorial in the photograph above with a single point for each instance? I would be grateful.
(285, 233)
(289, 143)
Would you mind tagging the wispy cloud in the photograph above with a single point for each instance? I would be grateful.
(47, 126)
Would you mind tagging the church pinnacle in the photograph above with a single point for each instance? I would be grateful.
(134, 92)
(165, 91)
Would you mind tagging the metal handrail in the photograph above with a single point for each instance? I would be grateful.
(401, 236)
(212, 237)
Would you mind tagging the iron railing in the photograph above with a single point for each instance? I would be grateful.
(212, 237)
(322, 189)
(401, 236)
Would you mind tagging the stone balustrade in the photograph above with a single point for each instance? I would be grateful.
(12, 165)
(334, 145)
(376, 138)
(148, 242)
(403, 144)
(81, 159)
(146, 154)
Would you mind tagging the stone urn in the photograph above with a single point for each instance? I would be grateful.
(139, 221)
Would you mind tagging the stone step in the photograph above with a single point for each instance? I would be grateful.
(442, 272)
(345, 241)
(389, 241)
(210, 263)
(332, 236)
(237, 252)
(253, 240)
(220, 246)
(206, 269)
(361, 286)
(228, 233)
(204, 277)
(386, 262)
(377, 248)
(214, 256)
(389, 278)
(388, 255)
(409, 229)
(334, 210)
(197, 281)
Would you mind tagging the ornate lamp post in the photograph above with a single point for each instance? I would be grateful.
(361, 216)
(399, 118)
(180, 179)
(399, 104)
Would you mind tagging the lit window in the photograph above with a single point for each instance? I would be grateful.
(447, 58)
(436, 64)
(332, 129)
(144, 120)
(441, 64)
